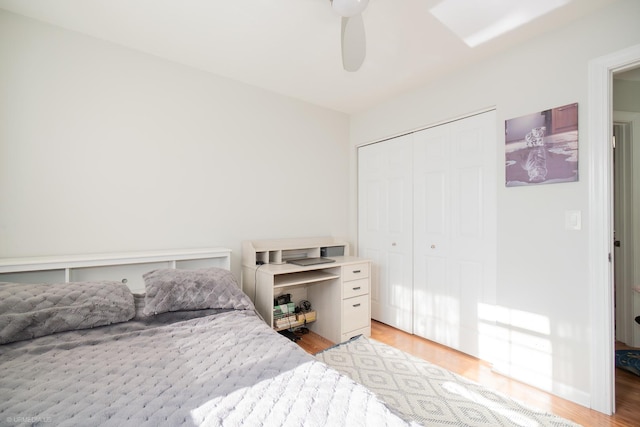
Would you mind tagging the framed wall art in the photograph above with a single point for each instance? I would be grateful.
(542, 148)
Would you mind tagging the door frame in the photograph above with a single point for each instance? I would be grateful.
(600, 112)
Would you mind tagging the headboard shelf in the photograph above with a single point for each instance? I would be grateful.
(127, 267)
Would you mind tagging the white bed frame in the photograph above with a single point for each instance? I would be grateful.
(125, 267)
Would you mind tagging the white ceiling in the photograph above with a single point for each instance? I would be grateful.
(292, 47)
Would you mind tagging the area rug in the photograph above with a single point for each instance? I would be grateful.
(428, 394)
(629, 360)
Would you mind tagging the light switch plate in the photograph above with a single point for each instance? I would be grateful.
(573, 220)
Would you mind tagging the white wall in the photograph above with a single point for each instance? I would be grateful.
(103, 148)
(542, 295)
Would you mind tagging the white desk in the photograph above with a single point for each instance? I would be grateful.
(339, 292)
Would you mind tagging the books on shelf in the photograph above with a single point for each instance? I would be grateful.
(292, 320)
(284, 310)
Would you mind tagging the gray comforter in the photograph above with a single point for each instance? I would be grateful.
(227, 368)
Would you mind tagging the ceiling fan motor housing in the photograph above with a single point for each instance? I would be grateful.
(349, 8)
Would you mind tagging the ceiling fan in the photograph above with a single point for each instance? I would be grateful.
(354, 46)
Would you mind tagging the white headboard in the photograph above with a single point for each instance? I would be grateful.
(126, 267)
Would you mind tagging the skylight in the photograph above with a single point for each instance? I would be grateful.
(477, 22)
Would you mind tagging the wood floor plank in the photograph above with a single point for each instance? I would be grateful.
(313, 343)
(627, 385)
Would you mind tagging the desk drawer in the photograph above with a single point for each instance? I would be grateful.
(355, 313)
(354, 288)
(355, 271)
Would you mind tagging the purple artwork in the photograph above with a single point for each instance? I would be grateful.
(542, 148)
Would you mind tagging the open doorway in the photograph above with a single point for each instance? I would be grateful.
(626, 229)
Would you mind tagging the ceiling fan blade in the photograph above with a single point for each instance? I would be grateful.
(354, 46)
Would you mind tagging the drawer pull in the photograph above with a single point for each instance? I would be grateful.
(356, 271)
(356, 305)
(356, 288)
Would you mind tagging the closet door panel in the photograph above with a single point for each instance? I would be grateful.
(397, 284)
(371, 211)
(431, 184)
(433, 304)
(474, 233)
(470, 149)
(454, 258)
(385, 236)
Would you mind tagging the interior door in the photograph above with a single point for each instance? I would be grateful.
(385, 228)
(455, 233)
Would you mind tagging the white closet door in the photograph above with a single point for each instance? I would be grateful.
(455, 233)
(385, 228)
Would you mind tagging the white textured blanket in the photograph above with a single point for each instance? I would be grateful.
(226, 369)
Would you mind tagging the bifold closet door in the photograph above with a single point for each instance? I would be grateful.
(454, 233)
(385, 228)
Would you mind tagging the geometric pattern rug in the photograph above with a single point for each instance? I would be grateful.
(424, 393)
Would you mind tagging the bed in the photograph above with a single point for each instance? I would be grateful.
(189, 351)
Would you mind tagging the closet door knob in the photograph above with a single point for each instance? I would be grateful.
(393, 244)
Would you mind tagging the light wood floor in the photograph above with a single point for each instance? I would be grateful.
(627, 384)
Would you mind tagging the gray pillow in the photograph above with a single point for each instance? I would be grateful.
(35, 310)
(174, 290)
